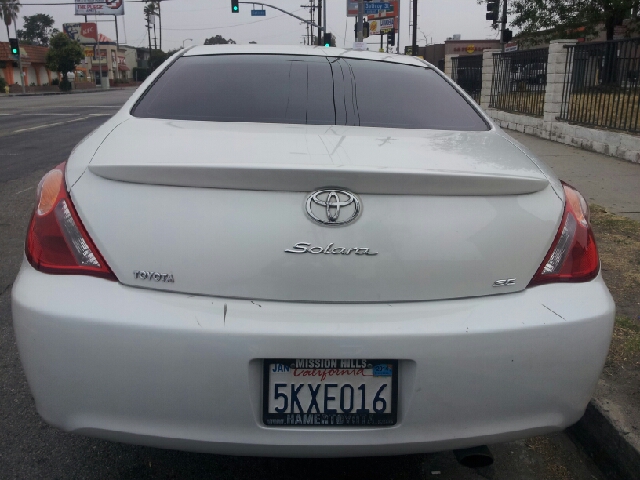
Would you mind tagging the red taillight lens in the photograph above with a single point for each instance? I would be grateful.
(57, 242)
(573, 256)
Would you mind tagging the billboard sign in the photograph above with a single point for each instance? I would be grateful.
(99, 7)
(380, 26)
(85, 33)
(392, 11)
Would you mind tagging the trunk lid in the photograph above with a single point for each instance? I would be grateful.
(216, 206)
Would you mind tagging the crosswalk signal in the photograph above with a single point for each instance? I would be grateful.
(507, 35)
(493, 11)
(235, 8)
(391, 37)
(13, 44)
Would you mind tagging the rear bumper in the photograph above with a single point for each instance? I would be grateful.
(175, 371)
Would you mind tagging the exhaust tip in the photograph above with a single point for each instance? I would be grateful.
(474, 457)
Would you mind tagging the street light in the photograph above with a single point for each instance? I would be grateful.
(190, 39)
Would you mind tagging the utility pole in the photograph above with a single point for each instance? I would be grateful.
(503, 24)
(414, 45)
(324, 19)
(398, 29)
(360, 20)
(320, 24)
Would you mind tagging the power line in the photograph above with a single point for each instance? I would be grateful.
(227, 26)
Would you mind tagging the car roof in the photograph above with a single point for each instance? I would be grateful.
(316, 51)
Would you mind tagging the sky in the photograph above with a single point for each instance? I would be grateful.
(200, 19)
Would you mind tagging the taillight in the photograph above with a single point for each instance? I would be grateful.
(573, 256)
(57, 242)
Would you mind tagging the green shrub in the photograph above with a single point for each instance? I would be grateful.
(3, 84)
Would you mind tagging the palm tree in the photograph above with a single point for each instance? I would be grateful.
(9, 10)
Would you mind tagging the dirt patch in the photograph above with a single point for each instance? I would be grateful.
(618, 240)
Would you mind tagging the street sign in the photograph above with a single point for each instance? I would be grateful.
(392, 11)
(258, 13)
(370, 8)
(375, 7)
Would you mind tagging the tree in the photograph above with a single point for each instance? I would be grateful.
(9, 10)
(218, 40)
(550, 19)
(38, 29)
(63, 56)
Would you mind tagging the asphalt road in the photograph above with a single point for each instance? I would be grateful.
(37, 133)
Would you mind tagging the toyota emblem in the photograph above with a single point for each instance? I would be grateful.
(332, 207)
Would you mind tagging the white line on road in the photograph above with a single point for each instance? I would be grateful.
(25, 190)
(49, 125)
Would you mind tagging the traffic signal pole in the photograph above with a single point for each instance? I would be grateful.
(414, 42)
(360, 20)
(503, 24)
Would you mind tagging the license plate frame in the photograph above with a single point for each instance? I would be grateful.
(340, 418)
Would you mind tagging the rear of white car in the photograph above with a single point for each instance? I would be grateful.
(300, 276)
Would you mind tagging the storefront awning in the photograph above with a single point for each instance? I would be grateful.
(123, 68)
(97, 68)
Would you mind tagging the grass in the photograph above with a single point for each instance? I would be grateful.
(617, 110)
(618, 240)
(528, 103)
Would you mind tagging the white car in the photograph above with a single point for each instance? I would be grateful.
(298, 251)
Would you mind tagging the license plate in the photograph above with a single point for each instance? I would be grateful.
(330, 392)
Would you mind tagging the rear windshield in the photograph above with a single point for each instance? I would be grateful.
(307, 90)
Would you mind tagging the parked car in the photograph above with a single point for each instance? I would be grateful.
(301, 251)
(528, 74)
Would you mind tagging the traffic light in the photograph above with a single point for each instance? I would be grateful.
(235, 8)
(507, 35)
(391, 37)
(328, 40)
(13, 44)
(493, 11)
(365, 29)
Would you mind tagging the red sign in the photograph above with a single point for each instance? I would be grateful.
(389, 13)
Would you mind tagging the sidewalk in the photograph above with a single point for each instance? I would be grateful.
(610, 428)
(607, 181)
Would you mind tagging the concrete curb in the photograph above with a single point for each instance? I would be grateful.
(606, 442)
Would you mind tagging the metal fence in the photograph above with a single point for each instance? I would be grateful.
(601, 85)
(467, 72)
(519, 81)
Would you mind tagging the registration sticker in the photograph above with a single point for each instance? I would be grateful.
(330, 392)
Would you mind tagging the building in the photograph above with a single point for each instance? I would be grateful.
(108, 61)
(464, 48)
(33, 65)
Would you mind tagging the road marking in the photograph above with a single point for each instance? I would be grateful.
(43, 114)
(82, 106)
(49, 125)
(25, 190)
